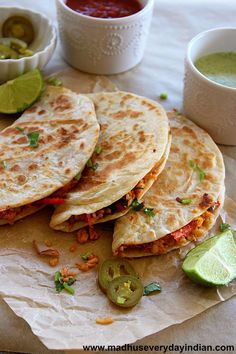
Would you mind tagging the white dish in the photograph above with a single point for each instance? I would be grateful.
(43, 45)
(209, 104)
(103, 46)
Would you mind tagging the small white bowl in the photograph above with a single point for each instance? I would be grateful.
(103, 46)
(43, 44)
(209, 104)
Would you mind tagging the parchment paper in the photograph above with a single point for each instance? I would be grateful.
(62, 321)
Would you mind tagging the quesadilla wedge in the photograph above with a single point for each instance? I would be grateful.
(131, 151)
(44, 150)
(184, 201)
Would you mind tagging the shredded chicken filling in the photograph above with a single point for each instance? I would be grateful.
(189, 232)
(11, 214)
(120, 205)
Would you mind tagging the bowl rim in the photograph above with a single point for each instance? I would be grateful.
(117, 20)
(50, 26)
(196, 72)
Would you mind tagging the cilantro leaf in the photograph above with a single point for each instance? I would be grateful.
(5, 164)
(163, 96)
(91, 165)
(150, 288)
(59, 286)
(33, 138)
(136, 205)
(149, 211)
(71, 281)
(86, 255)
(224, 227)
(78, 176)
(196, 168)
(54, 81)
(98, 150)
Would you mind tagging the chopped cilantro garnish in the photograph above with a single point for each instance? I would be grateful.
(57, 276)
(68, 288)
(149, 211)
(150, 288)
(5, 164)
(71, 281)
(95, 166)
(89, 163)
(184, 201)
(86, 255)
(92, 165)
(224, 227)
(196, 168)
(136, 205)
(54, 81)
(163, 96)
(191, 163)
(78, 176)
(98, 150)
(33, 138)
(20, 129)
(60, 284)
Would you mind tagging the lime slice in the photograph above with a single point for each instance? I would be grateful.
(213, 262)
(18, 94)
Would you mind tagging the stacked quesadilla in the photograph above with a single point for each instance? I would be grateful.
(44, 150)
(183, 203)
(131, 151)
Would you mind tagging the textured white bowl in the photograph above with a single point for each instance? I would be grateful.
(103, 46)
(209, 104)
(43, 45)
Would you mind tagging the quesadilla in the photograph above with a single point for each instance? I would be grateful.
(183, 203)
(131, 151)
(44, 150)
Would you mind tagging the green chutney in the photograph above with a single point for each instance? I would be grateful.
(219, 67)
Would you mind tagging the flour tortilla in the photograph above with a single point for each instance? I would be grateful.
(134, 137)
(136, 233)
(68, 132)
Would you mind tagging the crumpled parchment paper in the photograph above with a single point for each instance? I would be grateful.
(62, 321)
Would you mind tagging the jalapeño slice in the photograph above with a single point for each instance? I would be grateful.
(113, 268)
(18, 27)
(125, 291)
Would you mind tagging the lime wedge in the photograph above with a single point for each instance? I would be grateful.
(18, 94)
(213, 262)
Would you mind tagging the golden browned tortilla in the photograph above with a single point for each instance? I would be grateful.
(131, 151)
(183, 203)
(44, 150)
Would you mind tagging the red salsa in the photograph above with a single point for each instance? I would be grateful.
(105, 8)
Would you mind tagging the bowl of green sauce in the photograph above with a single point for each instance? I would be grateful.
(210, 83)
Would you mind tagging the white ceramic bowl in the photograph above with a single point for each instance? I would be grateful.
(209, 104)
(43, 44)
(103, 46)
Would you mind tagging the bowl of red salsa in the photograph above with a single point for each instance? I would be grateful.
(103, 36)
(105, 8)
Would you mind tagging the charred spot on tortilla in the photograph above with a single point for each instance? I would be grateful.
(33, 166)
(61, 103)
